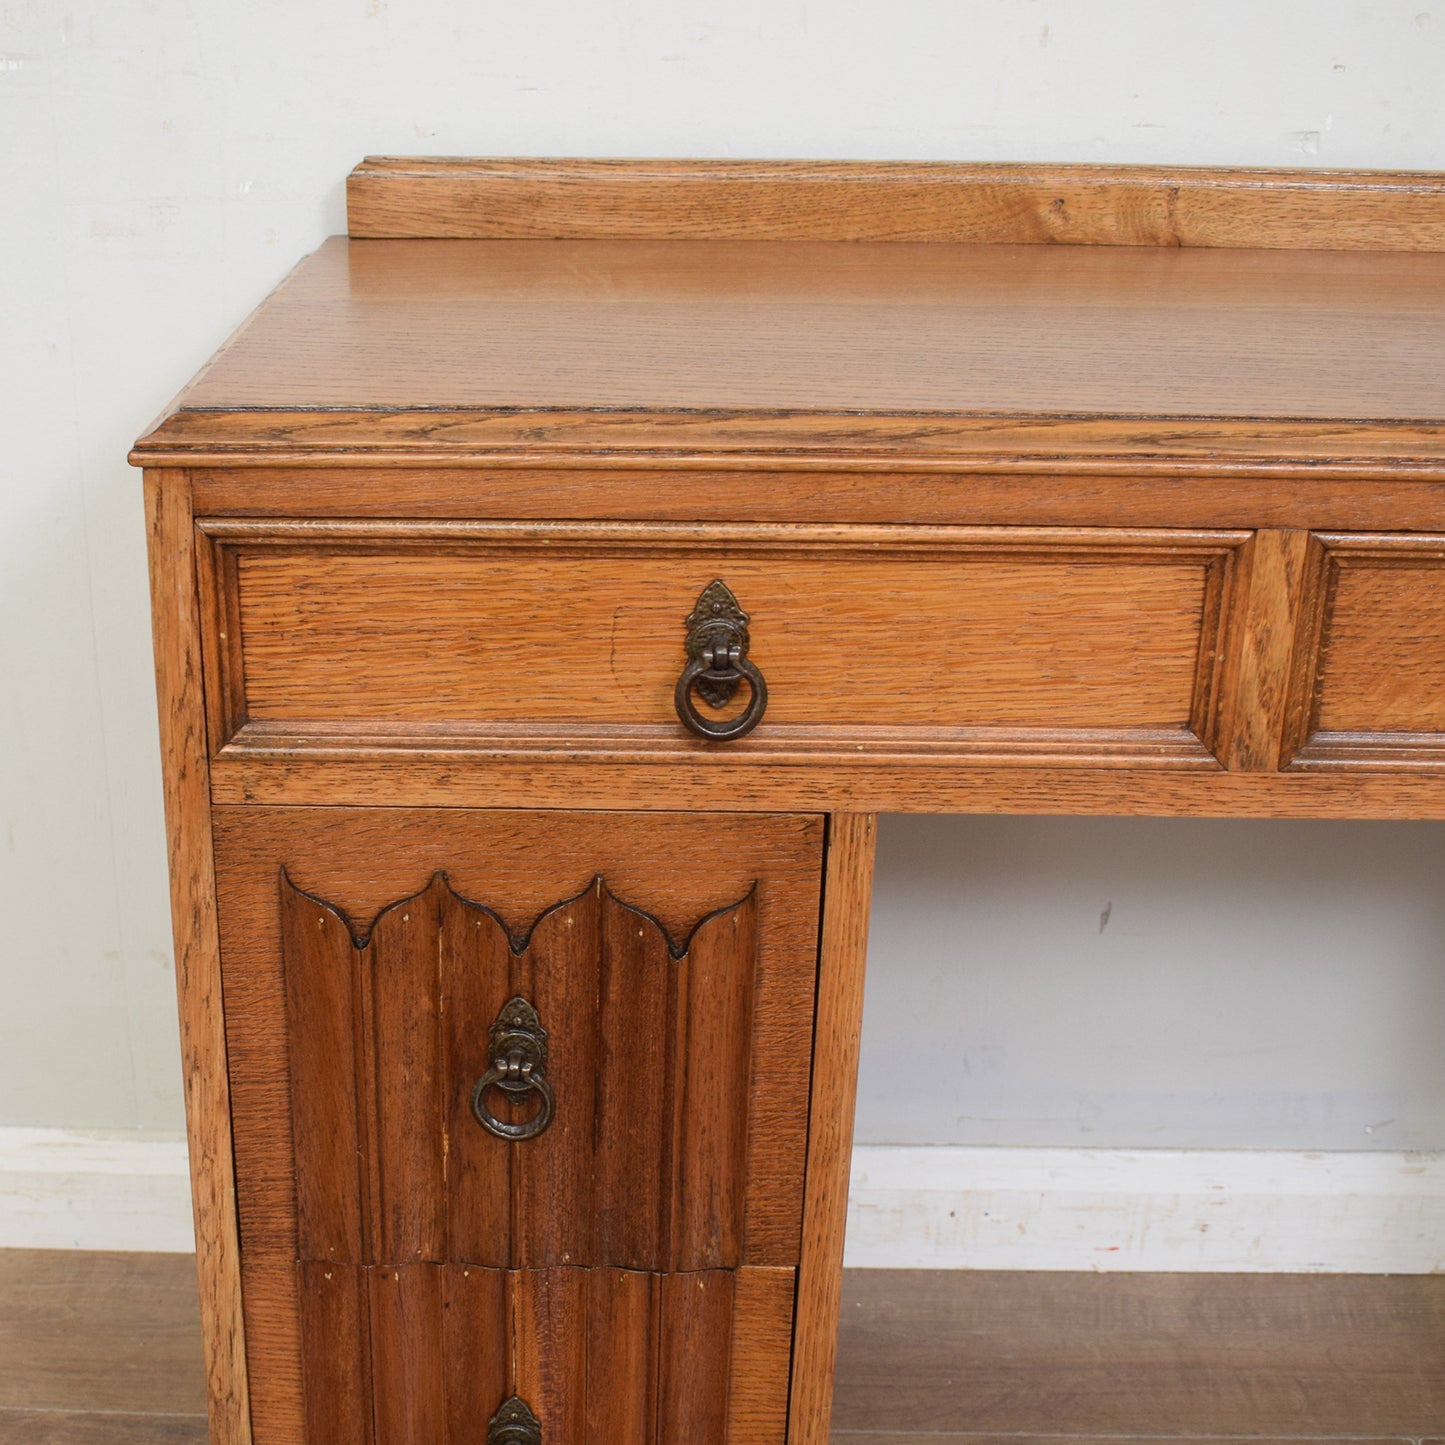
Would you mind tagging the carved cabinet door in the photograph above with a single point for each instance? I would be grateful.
(520, 1110)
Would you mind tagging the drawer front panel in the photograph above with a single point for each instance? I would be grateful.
(365, 955)
(640, 1160)
(436, 635)
(425, 1353)
(1370, 683)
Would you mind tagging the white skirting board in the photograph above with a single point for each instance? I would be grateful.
(1149, 1209)
(909, 1208)
(65, 1190)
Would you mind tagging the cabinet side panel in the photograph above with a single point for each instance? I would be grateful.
(198, 958)
(843, 948)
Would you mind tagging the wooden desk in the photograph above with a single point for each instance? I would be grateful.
(520, 1020)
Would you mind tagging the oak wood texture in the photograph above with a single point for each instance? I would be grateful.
(644, 1165)
(1257, 680)
(843, 947)
(682, 868)
(743, 442)
(197, 950)
(1144, 1355)
(440, 349)
(934, 201)
(1044, 492)
(601, 1356)
(943, 644)
(1369, 688)
(747, 783)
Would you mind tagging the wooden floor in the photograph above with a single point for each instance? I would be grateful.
(103, 1349)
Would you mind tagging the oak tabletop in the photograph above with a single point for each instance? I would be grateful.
(844, 327)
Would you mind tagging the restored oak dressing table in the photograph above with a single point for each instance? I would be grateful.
(551, 582)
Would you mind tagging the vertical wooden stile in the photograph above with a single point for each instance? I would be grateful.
(171, 545)
(1254, 721)
(842, 950)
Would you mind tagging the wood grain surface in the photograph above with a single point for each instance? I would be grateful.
(1053, 1437)
(363, 861)
(1195, 493)
(197, 949)
(644, 1165)
(837, 328)
(68, 1427)
(889, 779)
(955, 640)
(601, 1356)
(847, 897)
(1370, 684)
(895, 201)
(1145, 1355)
(88, 1332)
(335, 1322)
(1257, 679)
(687, 442)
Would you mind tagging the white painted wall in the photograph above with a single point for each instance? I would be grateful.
(1156, 983)
(162, 164)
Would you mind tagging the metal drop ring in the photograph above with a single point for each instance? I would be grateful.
(701, 669)
(518, 1085)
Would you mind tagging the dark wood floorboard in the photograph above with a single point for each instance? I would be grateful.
(105, 1348)
(968, 1355)
(868, 1437)
(100, 1332)
(70, 1427)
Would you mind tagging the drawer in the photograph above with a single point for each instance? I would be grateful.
(922, 640)
(427, 1353)
(389, 1223)
(621, 1137)
(1369, 679)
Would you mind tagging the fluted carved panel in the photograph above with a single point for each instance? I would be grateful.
(649, 1056)
(600, 1356)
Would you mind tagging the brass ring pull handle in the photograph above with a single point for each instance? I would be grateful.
(703, 672)
(518, 1050)
(717, 650)
(514, 1424)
